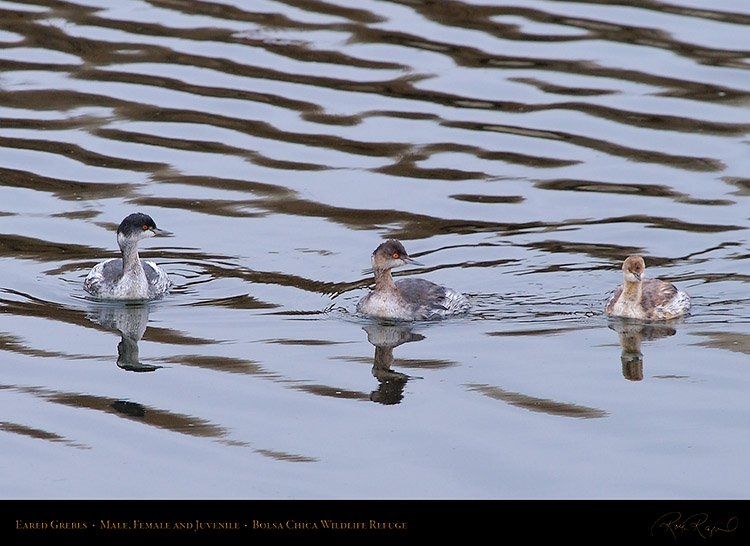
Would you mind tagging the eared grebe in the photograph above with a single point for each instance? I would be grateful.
(645, 299)
(129, 278)
(406, 299)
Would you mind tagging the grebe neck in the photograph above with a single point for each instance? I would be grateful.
(632, 290)
(383, 279)
(130, 259)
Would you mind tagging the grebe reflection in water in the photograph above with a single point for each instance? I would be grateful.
(131, 321)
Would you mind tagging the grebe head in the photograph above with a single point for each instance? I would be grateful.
(391, 254)
(135, 227)
(633, 269)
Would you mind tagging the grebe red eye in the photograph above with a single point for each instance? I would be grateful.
(395, 255)
(145, 227)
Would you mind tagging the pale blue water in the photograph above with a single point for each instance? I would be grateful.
(520, 150)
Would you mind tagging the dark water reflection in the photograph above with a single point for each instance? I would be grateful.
(131, 322)
(632, 335)
(385, 338)
(523, 149)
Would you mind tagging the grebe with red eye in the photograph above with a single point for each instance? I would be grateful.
(406, 299)
(129, 277)
(645, 299)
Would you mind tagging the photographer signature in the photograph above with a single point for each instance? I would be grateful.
(674, 523)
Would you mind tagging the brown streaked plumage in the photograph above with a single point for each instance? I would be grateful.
(645, 299)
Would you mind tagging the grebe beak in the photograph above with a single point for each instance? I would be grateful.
(161, 232)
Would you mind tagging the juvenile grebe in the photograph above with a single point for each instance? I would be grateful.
(129, 278)
(406, 299)
(645, 299)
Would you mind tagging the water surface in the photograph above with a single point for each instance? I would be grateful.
(520, 150)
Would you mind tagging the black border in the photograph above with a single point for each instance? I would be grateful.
(670, 522)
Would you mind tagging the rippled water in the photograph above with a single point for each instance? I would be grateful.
(520, 150)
